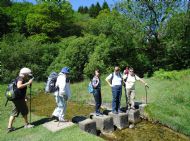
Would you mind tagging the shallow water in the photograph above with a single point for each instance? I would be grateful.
(43, 105)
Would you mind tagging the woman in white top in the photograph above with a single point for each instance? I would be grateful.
(130, 87)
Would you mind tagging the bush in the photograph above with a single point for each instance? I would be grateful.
(171, 75)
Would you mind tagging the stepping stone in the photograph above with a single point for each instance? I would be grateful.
(120, 120)
(56, 126)
(104, 123)
(134, 116)
(89, 126)
(141, 108)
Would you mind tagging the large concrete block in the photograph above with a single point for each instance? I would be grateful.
(89, 126)
(141, 109)
(134, 116)
(104, 123)
(120, 120)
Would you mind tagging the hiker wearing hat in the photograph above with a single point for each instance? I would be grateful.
(115, 82)
(131, 78)
(62, 94)
(19, 103)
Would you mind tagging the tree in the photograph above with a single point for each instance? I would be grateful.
(105, 6)
(4, 22)
(5, 3)
(152, 15)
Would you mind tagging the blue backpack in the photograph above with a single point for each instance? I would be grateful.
(90, 88)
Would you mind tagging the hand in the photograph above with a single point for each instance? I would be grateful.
(30, 81)
(110, 85)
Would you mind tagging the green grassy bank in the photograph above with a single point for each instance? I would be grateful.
(169, 103)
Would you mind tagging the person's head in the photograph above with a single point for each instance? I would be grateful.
(131, 70)
(65, 70)
(97, 72)
(25, 73)
(116, 69)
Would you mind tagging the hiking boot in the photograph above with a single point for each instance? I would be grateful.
(99, 114)
(62, 120)
(10, 129)
(28, 126)
(114, 112)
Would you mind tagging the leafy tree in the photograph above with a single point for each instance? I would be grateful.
(177, 41)
(105, 6)
(4, 22)
(52, 19)
(18, 52)
(5, 3)
(18, 13)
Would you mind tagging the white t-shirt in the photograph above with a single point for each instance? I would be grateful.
(117, 79)
(130, 83)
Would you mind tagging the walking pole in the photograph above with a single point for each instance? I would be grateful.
(30, 100)
(146, 93)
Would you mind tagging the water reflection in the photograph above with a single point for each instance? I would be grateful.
(43, 105)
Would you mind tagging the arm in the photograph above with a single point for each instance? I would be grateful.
(20, 85)
(140, 79)
(108, 80)
(95, 82)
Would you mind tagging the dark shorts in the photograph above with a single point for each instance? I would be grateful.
(19, 106)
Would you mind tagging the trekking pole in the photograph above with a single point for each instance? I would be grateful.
(146, 93)
(30, 100)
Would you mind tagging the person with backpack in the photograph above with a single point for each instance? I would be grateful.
(62, 94)
(130, 80)
(96, 83)
(115, 82)
(19, 102)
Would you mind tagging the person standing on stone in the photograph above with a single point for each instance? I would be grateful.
(19, 103)
(62, 94)
(96, 83)
(115, 82)
(131, 78)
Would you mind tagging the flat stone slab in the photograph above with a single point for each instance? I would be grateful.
(104, 123)
(88, 125)
(120, 120)
(56, 126)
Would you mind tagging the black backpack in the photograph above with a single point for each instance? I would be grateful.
(11, 91)
(50, 85)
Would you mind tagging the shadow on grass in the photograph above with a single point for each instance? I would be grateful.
(41, 121)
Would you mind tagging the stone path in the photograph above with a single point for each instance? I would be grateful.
(56, 126)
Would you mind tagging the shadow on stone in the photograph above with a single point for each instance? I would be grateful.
(137, 103)
(106, 112)
(77, 119)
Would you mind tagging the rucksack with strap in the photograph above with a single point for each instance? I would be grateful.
(50, 85)
(11, 91)
(90, 88)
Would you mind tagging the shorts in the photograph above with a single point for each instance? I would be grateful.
(19, 106)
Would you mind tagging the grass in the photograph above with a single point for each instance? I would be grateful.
(169, 103)
(39, 133)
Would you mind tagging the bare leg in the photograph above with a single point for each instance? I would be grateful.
(25, 119)
(11, 120)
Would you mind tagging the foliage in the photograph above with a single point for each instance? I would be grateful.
(18, 52)
(171, 75)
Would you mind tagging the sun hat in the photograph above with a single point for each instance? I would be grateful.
(65, 70)
(25, 71)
